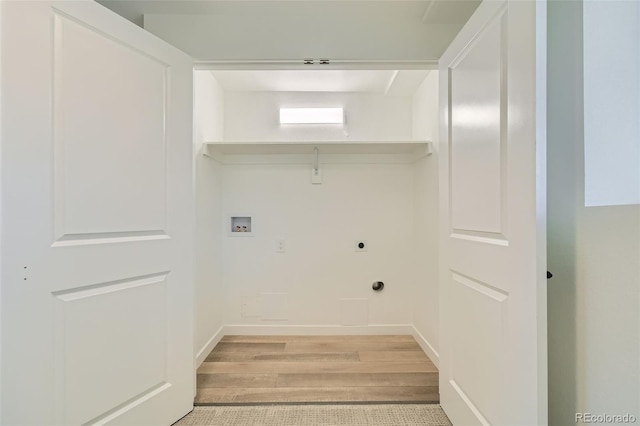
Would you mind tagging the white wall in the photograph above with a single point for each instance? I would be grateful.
(612, 102)
(564, 132)
(253, 116)
(426, 300)
(320, 223)
(608, 306)
(208, 126)
(594, 253)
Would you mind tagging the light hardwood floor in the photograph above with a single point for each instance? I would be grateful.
(320, 369)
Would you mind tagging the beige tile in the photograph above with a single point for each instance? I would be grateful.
(230, 356)
(280, 369)
(236, 380)
(337, 394)
(397, 356)
(248, 347)
(356, 379)
(318, 367)
(311, 356)
(350, 346)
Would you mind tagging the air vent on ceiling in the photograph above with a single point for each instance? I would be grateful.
(313, 61)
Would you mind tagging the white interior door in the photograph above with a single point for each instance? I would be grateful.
(493, 267)
(97, 219)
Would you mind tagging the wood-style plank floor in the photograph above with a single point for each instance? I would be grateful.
(316, 369)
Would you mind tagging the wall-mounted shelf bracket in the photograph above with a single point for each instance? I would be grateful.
(316, 175)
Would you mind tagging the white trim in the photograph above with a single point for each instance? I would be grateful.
(208, 347)
(541, 207)
(392, 81)
(426, 346)
(317, 330)
(235, 65)
(3, 283)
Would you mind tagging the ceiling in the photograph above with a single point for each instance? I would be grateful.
(292, 30)
(387, 82)
(431, 11)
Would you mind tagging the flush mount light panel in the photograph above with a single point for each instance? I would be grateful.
(311, 116)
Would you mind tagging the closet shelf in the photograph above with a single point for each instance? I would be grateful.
(329, 151)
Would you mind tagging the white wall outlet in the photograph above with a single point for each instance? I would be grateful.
(281, 245)
(361, 245)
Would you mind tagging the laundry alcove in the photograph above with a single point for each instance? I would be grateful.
(302, 271)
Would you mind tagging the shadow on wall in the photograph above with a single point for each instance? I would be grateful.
(593, 252)
(564, 137)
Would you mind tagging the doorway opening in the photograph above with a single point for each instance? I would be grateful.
(333, 209)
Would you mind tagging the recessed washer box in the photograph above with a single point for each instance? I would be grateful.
(241, 226)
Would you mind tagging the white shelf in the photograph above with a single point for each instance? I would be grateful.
(329, 151)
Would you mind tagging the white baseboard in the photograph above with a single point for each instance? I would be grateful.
(317, 330)
(426, 346)
(208, 347)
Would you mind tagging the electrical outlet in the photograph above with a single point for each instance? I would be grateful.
(361, 245)
(281, 245)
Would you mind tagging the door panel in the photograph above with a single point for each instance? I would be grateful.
(493, 292)
(97, 219)
(477, 345)
(137, 318)
(477, 142)
(99, 190)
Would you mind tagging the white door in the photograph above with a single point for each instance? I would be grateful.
(97, 219)
(492, 162)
